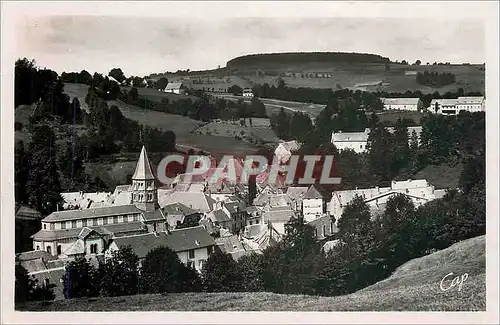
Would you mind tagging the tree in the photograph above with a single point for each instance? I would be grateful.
(133, 95)
(400, 148)
(43, 185)
(118, 74)
(235, 90)
(161, 271)
(120, 273)
(355, 221)
(251, 269)
(23, 285)
(81, 279)
(379, 150)
(220, 273)
(21, 168)
(161, 83)
(418, 62)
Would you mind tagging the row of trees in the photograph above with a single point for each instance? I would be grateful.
(206, 108)
(435, 79)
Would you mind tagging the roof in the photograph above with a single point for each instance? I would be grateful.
(350, 136)
(33, 255)
(268, 237)
(443, 102)
(312, 193)
(219, 216)
(173, 85)
(231, 244)
(77, 248)
(290, 145)
(324, 222)
(470, 100)
(143, 168)
(84, 232)
(111, 229)
(153, 215)
(234, 207)
(177, 209)
(178, 240)
(252, 231)
(195, 200)
(279, 215)
(400, 101)
(329, 245)
(296, 192)
(91, 213)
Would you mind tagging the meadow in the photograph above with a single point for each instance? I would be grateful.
(414, 286)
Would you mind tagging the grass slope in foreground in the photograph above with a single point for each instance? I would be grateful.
(413, 287)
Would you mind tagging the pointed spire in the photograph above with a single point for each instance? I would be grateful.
(143, 168)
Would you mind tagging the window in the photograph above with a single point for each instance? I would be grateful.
(94, 222)
(93, 249)
(115, 219)
(105, 221)
(136, 217)
(191, 253)
(84, 223)
(150, 197)
(190, 264)
(73, 224)
(49, 249)
(63, 225)
(324, 230)
(251, 223)
(154, 228)
(59, 250)
(37, 247)
(52, 226)
(44, 226)
(331, 227)
(315, 232)
(201, 263)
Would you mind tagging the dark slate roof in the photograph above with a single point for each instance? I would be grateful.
(33, 255)
(91, 213)
(178, 240)
(177, 209)
(221, 216)
(111, 229)
(153, 215)
(234, 207)
(312, 193)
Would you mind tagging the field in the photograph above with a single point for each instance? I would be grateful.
(264, 134)
(79, 91)
(415, 286)
(370, 76)
(156, 95)
(391, 117)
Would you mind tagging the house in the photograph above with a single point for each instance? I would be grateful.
(218, 219)
(175, 88)
(254, 216)
(231, 245)
(443, 106)
(405, 104)
(87, 232)
(193, 245)
(285, 150)
(177, 214)
(418, 191)
(80, 200)
(454, 106)
(197, 201)
(278, 217)
(295, 194)
(471, 104)
(247, 92)
(238, 215)
(356, 141)
(312, 204)
(324, 227)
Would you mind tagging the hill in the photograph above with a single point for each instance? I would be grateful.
(415, 286)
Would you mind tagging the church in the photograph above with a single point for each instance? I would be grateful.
(89, 232)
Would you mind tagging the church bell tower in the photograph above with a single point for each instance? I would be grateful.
(144, 192)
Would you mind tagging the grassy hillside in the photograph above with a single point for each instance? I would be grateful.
(413, 287)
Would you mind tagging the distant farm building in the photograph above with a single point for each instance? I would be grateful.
(175, 88)
(403, 104)
(247, 92)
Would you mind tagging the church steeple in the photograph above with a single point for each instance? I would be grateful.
(144, 193)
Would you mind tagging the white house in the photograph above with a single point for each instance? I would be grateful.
(312, 204)
(454, 106)
(356, 141)
(285, 150)
(247, 92)
(175, 88)
(295, 194)
(419, 191)
(471, 104)
(193, 245)
(405, 104)
(278, 217)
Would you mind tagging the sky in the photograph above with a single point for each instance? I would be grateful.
(141, 46)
